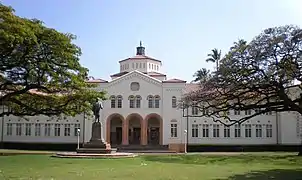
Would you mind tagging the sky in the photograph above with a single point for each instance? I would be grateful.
(180, 33)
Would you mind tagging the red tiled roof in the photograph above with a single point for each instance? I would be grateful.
(97, 81)
(189, 87)
(139, 57)
(174, 81)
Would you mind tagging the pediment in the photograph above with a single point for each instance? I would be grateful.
(135, 74)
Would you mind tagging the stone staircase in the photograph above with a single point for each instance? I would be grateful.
(144, 149)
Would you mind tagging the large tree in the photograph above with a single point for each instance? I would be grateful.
(263, 75)
(40, 72)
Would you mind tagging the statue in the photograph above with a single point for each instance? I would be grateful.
(97, 106)
(96, 143)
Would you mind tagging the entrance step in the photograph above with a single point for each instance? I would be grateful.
(148, 151)
(144, 149)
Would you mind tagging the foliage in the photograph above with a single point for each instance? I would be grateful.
(257, 76)
(40, 69)
(214, 57)
(202, 75)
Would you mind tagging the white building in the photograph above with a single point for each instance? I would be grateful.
(142, 109)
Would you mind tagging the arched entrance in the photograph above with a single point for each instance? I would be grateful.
(115, 129)
(135, 128)
(154, 129)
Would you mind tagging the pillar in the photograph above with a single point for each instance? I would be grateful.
(108, 130)
(125, 135)
(144, 138)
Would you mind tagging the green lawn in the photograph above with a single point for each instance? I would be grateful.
(202, 167)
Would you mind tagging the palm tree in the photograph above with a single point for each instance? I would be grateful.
(202, 75)
(214, 57)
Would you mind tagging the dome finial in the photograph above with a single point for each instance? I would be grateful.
(140, 50)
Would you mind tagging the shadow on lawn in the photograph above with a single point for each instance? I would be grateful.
(276, 174)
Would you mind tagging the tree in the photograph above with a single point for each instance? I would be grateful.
(40, 69)
(258, 75)
(214, 57)
(201, 75)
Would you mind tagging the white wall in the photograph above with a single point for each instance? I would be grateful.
(121, 86)
(143, 65)
(287, 122)
(136, 64)
(291, 128)
(42, 120)
(172, 115)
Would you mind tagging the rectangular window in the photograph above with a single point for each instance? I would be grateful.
(112, 103)
(215, 130)
(138, 103)
(156, 104)
(57, 129)
(226, 131)
(67, 130)
(258, 130)
(269, 113)
(257, 110)
(119, 103)
(248, 130)
(194, 110)
(150, 103)
(9, 129)
(18, 129)
(248, 112)
(236, 112)
(237, 130)
(174, 102)
(173, 130)
(269, 130)
(28, 129)
(131, 103)
(76, 127)
(37, 129)
(46, 129)
(194, 130)
(205, 130)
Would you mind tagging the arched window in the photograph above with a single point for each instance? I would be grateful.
(119, 101)
(150, 101)
(174, 102)
(112, 98)
(156, 101)
(138, 101)
(131, 101)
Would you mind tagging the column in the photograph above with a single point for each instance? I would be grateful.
(125, 133)
(144, 137)
(108, 130)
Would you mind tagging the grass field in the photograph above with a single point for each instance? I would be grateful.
(256, 166)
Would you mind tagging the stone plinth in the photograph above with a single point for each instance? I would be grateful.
(93, 155)
(96, 143)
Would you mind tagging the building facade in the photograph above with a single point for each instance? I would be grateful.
(142, 109)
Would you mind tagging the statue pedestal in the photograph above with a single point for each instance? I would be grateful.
(96, 143)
